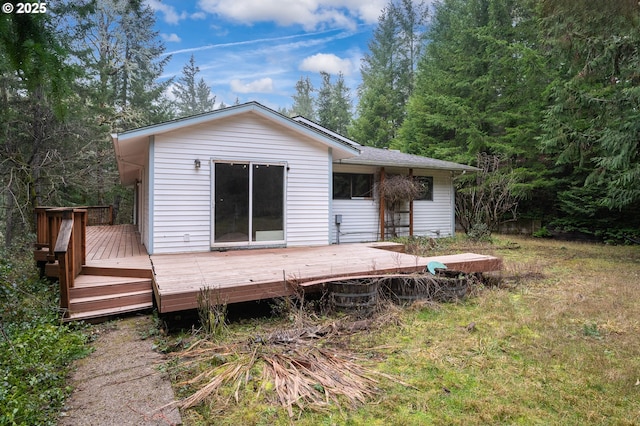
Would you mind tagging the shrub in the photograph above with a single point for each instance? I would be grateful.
(35, 349)
(479, 232)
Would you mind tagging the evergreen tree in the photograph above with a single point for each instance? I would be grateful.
(593, 124)
(388, 72)
(36, 104)
(324, 101)
(192, 97)
(334, 104)
(592, 127)
(480, 83)
(303, 99)
(341, 104)
(123, 56)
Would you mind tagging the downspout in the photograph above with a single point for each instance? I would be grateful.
(330, 194)
(411, 208)
(381, 210)
(150, 183)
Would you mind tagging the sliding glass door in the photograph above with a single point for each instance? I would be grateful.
(249, 203)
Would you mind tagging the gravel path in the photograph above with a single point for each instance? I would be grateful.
(120, 383)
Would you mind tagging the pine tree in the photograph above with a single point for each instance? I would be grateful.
(324, 102)
(480, 83)
(37, 102)
(388, 72)
(592, 126)
(341, 104)
(122, 54)
(192, 97)
(303, 99)
(334, 104)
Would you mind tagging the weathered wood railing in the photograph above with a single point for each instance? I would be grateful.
(64, 235)
(99, 215)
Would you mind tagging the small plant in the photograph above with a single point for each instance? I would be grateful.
(543, 232)
(479, 232)
(591, 330)
(213, 315)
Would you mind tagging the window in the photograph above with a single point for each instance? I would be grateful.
(427, 184)
(347, 186)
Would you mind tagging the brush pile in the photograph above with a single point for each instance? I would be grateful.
(300, 367)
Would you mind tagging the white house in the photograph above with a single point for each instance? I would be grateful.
(247, 176)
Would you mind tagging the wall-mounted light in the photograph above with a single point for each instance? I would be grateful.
(196, 163)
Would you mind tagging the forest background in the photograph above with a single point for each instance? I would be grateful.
(548, 90)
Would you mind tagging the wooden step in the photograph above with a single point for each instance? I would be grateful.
(98, 285)
(120, 271)
(110, 301)
(51, 270)
(104, 314)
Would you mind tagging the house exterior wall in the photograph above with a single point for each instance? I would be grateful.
(436, 218)
(360, 218)
(181, 199)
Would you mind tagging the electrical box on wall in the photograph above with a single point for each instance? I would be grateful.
(338, 219)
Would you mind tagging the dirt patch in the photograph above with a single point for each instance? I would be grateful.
(120, 382)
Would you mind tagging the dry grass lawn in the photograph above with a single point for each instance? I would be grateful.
(557, 343)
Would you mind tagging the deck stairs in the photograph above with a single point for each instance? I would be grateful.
(101, 292)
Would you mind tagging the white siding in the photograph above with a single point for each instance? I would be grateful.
(182, 194)
(360, 218)
(435, 218)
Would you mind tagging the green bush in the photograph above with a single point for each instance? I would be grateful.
(33, 368)
(479, 232)
(35, 349)
(543, 232)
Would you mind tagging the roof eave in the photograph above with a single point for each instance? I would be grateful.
(455, 168)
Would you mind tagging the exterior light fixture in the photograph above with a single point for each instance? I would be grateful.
(197, 163)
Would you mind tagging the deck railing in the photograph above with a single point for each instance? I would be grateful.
(99, 215)
(63, 232)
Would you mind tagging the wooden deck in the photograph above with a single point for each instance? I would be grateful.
(118, 271)
(246, 275)
(116, 277)
(116, 246)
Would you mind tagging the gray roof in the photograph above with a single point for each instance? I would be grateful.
(371, 156)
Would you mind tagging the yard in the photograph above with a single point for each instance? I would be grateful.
(557, 342)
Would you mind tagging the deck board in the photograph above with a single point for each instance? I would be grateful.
(116, 246)
(245, 275)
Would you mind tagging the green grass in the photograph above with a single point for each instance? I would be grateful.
(557, 344)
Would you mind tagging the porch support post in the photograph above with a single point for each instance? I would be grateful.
(411, 208)
(381, 198)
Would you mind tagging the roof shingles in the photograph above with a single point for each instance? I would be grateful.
(391, 158)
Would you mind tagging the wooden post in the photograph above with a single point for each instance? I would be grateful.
(64, 256)
(83, 218)
(411, 208)
(63, 261)
(381, 212)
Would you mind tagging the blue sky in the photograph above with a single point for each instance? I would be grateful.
(258, 49)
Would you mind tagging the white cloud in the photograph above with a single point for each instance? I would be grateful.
(327, 62)
(171, 38)
(310, 14)
(263, 85)
(171, 16)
